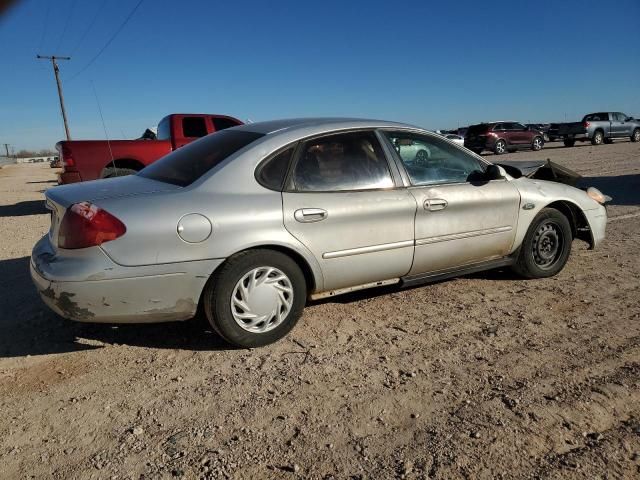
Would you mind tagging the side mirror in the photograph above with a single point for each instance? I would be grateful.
(494, 172)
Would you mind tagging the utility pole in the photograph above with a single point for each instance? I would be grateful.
(6, 147)
(53, 59)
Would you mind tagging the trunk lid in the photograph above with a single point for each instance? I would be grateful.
(67, 195)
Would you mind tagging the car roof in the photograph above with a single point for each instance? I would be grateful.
(320, 123)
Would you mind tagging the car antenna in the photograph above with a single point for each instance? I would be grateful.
(105, 128)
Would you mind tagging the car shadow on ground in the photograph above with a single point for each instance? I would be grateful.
(623, 189)
(28, 327)
(44, 181)
(22, 209)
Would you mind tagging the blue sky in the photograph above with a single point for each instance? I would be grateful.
(434, 64)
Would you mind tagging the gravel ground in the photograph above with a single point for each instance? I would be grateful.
(487, 376)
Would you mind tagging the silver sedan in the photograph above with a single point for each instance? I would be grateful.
(253, 221)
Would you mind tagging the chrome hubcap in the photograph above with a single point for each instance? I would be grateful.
(637, 135)
(547, 245)
(598, 137)
(262, 299)
(500, 147)
(537, 144)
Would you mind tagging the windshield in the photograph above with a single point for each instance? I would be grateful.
(187, 164)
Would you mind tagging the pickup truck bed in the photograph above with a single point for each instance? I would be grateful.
(84, 160)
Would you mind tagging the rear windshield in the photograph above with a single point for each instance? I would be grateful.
(187, 164)
(478, 129)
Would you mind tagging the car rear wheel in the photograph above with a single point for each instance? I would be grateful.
(112, 172)
(537, 144)
(635, 137)
(569, 142)
(546, 246)
(598, 138)
(255, 298)
(500, 147)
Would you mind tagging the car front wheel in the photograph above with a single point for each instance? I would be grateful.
(635, 137)
(500, 147)
(546, 246)
(255, 298)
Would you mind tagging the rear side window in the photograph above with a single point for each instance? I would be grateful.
(222, 123)
(164, 129)
(347, 161)
(187, 164)
(596, 117)
(273, 172)
(194, 127)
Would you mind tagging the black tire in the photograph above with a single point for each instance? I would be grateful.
(635, 136)
(598, 138)
(537, 143)
(218, 294)
(569, 142)
(500, 147)
(112, 172)
(546, 246)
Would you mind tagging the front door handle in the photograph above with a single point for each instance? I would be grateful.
(309, 215)
(435, 204)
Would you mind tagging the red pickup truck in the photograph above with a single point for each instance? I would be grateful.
(91, 159)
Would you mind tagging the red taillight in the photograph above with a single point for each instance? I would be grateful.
(87, 225)
(586, 124)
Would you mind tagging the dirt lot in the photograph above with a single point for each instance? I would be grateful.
(486, 376)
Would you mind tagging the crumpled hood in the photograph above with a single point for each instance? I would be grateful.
(66, 195)
(541, 170)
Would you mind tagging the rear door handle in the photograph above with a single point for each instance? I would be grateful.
(435, 204)
(309, 215)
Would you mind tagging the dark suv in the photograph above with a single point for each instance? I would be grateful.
(501, 137)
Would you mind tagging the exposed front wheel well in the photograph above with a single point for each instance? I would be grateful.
(579, 224)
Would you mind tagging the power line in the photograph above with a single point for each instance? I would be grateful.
(91, 24)
(122, 25)
(66, 24)
(44, 27)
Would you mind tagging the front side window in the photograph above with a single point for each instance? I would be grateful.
(430, 161)
(347, 161)
(519, 126)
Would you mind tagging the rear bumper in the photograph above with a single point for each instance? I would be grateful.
(87, 286)
(69, 177)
